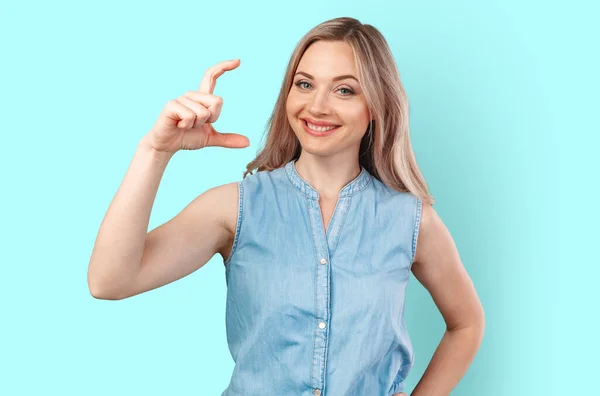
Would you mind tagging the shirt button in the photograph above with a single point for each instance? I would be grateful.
(321, 326)
(317, 392)
(323, 261)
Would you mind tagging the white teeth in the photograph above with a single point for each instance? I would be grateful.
(319, 128)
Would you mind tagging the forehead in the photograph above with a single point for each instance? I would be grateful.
(327, 59)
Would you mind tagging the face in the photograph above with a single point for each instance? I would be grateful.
(324, 92)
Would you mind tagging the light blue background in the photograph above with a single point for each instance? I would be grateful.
(504, 106)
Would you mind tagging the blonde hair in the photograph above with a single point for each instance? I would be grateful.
(388, 153)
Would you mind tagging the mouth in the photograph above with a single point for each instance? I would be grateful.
(319, 131)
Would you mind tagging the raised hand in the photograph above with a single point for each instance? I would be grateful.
(185, 122)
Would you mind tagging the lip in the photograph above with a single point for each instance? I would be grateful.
(318, 134)
(319, 123)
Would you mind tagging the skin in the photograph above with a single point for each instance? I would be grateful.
(120, 270)
(329, 163)
(439, 269)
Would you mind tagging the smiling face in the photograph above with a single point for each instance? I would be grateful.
(323, 92)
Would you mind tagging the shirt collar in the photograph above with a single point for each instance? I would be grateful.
(303, 186)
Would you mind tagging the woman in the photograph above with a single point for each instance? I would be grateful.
(319, 243)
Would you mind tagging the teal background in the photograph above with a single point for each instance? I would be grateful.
(504, 106)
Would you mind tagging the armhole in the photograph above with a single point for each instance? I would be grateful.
(238, 222)
(418, 211)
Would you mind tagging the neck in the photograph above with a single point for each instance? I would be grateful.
(327, 175)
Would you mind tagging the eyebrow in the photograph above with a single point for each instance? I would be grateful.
(334, 79)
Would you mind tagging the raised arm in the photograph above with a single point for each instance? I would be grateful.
(126, 259)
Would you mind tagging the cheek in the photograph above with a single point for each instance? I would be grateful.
(293, 105)
(358, 117)
(293, 109)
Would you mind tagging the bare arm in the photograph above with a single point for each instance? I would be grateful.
(438, 267)
(127, 260)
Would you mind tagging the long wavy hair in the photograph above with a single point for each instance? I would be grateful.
(385, 150)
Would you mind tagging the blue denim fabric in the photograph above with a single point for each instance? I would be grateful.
(311, 311)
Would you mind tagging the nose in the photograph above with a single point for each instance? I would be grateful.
(320, 103)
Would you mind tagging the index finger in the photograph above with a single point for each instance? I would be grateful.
(212, 73)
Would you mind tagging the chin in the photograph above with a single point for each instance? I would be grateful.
(319, 147)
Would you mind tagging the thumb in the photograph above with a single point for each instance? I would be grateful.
(229, 140)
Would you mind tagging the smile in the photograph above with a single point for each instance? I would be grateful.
(318, 131)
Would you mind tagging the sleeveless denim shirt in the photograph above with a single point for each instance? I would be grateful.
(319, 312)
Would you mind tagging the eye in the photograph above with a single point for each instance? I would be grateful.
(347, 89)
(301, 82)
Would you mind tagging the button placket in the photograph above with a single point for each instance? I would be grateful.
(325, 241)
(322, 295)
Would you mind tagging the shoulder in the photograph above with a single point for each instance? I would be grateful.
(383, 192)
(265, 176)
(428, 218)
(228, 198)
(224, 199)
(432, 232)
(224, 193)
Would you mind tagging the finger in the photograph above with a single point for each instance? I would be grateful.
(212, 102)
(201, 112)
(180, 115)
(229, 140)
(212, 73)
